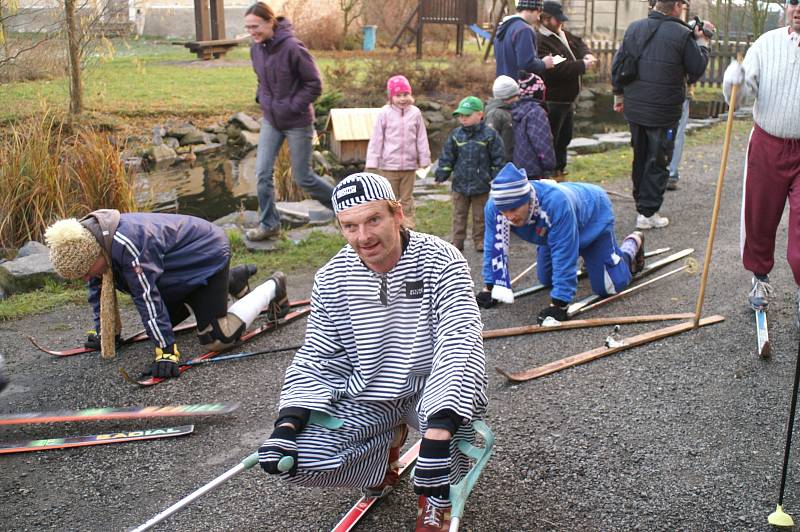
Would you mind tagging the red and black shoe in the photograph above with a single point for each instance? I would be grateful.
(392, 476)
(431, 518)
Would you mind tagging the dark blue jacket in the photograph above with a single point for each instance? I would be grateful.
(473, 155)
(515, 48)
(669, 61)
(158, 258)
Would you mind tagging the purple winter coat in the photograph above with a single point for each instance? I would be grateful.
(533, 141)
(288, 79)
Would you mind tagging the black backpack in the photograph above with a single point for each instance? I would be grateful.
(627, 68)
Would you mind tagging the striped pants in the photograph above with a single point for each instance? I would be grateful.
(356, 455)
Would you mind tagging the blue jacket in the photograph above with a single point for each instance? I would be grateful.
(515, 48)
(571, 216)
(473, 155)
(157, 259)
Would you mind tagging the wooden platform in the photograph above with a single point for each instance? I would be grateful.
(213, 49)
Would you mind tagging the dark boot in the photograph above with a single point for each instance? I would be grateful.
(238, 280)
(280, 305)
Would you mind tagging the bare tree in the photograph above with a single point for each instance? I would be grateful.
(352, 10)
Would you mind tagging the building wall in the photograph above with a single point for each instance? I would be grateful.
(169, 20)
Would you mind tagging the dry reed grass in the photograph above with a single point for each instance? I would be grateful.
(49, 171)
(45, 60)
(285, 187)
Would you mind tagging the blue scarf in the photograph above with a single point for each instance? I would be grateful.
(501, 276)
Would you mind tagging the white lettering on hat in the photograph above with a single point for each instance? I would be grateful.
(345, 191)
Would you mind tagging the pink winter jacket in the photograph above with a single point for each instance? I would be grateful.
(399, 140)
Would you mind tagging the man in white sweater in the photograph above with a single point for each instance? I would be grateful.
(770, 72)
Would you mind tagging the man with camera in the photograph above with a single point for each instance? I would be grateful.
(666, 54)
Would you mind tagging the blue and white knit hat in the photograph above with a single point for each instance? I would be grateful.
(510, 188)
(360, 188)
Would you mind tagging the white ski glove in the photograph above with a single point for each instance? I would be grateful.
(734, 75)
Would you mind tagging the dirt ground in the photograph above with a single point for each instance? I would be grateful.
(685, 433)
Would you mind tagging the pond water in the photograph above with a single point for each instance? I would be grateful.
(210, 189)
(215, 187)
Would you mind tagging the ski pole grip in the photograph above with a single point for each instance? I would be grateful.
(285, 464)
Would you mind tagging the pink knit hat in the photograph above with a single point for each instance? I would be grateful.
(396, 85)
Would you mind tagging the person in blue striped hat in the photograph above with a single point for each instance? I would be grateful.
(393, 340)
(565, 221)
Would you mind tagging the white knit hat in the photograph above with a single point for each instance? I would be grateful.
(505, 87)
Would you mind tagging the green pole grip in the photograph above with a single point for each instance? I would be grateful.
(285, 464)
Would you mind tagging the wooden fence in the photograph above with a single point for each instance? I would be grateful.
(720, 57)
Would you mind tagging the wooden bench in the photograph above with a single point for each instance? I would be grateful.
(215, 49)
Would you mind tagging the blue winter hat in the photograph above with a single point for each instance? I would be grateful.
(359, 188)
(510, 188)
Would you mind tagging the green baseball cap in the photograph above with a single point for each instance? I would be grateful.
(469, 105)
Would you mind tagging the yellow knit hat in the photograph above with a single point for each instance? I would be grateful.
(73, 248)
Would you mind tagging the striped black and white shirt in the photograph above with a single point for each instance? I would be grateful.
(384, 337)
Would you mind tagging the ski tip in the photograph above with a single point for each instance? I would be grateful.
(510, 376)
(766, 350)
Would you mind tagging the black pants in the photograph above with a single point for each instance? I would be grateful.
(652, 151)
(209, 303)
(560, 116)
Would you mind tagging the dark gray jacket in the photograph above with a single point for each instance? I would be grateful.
(498, 117)
(670, 60)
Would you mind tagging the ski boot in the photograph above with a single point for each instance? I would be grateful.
(238, 280)
(758, 298)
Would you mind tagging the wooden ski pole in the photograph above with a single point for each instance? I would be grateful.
(521, 275)
(717, 200)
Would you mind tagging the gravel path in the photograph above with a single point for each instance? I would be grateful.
(683, 434)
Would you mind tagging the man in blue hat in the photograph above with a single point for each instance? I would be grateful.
(564, 220)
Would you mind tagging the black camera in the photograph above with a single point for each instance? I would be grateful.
(698, 23)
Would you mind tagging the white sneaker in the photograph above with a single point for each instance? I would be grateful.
(653, 222)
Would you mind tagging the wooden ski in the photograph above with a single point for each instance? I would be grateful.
(249, 335)
(95, 439)
(593, 300)
(588, 356)
(580, 273)
(580, 324)
(138, 337)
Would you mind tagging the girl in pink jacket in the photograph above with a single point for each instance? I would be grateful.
(399, 144)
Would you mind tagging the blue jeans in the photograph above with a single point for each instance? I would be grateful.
(680, 136)
(269, 143)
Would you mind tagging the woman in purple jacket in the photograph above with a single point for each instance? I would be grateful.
(288, 84)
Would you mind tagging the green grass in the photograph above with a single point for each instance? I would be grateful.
(308, 255)
(615, 164)
(43, 300)
(141, 79)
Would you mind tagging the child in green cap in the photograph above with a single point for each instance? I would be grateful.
(472, 154)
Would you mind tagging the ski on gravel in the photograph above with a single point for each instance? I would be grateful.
(116, 413)
(95, 439)
(249, 335)
(762, 333)
(581, 274)
(593, 300)
(138, 337)
(354, 515)
(594, 354)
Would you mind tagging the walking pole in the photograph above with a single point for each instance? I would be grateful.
(284, 464)
(778, 517)
(717, 199)
(521, 275)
